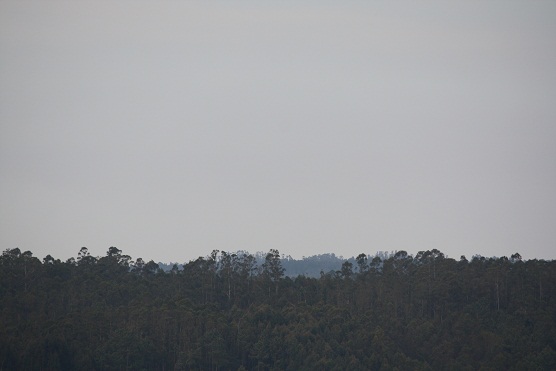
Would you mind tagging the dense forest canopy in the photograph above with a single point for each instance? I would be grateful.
(232, 311)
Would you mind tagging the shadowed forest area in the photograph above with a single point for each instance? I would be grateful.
(227, 312)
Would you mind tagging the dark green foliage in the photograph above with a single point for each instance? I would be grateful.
(224, 312)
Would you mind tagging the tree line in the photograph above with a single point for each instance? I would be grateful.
(226, 311)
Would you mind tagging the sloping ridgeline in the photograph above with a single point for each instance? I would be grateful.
(226, 312)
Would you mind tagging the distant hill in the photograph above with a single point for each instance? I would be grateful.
(311, 266)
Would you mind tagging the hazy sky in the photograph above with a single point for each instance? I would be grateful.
(172, 128)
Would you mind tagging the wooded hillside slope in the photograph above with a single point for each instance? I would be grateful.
(223, 312)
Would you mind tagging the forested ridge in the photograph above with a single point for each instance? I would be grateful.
(226, 312)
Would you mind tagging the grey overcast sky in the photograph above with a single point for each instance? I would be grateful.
(172, 128)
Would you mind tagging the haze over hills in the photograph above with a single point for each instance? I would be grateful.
(312, 266)
(173, 128)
